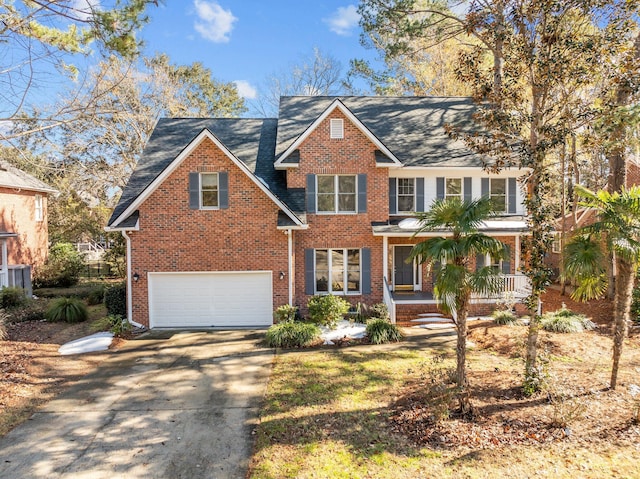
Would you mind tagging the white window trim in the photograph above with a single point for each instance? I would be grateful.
(39, 207)
(200, 190)
(336, 129)
(556, 243)
(336, 193)
(345, 291)
(451, 195)
(415, 200)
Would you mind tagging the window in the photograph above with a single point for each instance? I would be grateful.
(336, 193)
(498, 194)
(337, 129)
(337, 271)
(209, 190)
(38, 208)
(555, 246)
(453, 188)
(406, 194)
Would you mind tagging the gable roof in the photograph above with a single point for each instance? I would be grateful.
(336, 105)
(12, 177)
(173, 140)
(411, 128)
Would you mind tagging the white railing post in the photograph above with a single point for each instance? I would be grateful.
(388, 300)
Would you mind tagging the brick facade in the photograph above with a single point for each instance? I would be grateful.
(18, 215)
(244, 237)
(174, 238)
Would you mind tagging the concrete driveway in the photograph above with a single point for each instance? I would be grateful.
(180, 407)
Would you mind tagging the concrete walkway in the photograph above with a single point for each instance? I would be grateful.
(183, 406)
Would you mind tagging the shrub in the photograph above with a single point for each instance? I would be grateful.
(96, 295)
(285, 313)
(114, 323)
(292, 335)
(327, 310)
(69, 310)
(31, 310)
(504, 317)
(566, 321)
(567, 404)
(381, 331)
(62, 268)
(115, 299)
(379, 310)
(438, 381)
(12, 297)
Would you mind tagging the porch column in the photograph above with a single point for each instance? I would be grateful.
(385, 257)
(516, 260)
(4, 278)
(289, 234)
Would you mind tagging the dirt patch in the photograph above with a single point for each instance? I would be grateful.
(577, 406)
(31, 370)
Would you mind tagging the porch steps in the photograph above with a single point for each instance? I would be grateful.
(427, 321)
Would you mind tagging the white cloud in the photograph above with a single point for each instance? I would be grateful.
(245, 90)
(83, 9)
(214, 23)
(343, 20)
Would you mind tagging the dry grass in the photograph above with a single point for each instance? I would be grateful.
(363, 412)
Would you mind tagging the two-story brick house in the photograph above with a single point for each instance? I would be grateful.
(24, 234)
(226, 219)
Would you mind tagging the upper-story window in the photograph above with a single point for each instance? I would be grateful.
(498, 194)
(337, 128)
(209, 190)
(406, 195)
(453, 188)
(39, 212)
(336, 193)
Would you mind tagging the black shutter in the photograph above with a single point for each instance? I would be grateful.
(466, 188)
(194, 191)
(484, 187)
(480, 261)
(419, 194)
(309, 273)
(311, 193)
(365, 261)
(512, 196)
(440, 188)
(223, 189)
(393, 198)
(362, 193)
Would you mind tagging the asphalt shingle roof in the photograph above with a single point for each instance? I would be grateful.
(412, 128)
(12, 177)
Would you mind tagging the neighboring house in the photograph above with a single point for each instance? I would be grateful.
(24, 235)
(583, 217)
(226, 219)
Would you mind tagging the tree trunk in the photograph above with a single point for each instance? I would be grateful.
(621, 308)
(461, 361)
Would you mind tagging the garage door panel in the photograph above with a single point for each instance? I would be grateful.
(238, 299)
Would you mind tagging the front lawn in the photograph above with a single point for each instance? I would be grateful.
(362, 412)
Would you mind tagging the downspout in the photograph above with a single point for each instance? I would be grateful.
(129, 292)
(290, 263)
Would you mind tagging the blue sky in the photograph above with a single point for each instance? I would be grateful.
(245, 41)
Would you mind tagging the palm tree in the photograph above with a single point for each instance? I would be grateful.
(617, 231)
(456, 281)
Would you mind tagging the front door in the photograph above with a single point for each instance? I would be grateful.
(403, 271)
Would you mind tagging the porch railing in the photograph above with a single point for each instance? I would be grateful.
(388, 300)
(518, 284)
(4, 280)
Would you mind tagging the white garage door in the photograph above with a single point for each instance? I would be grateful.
(204, 300)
